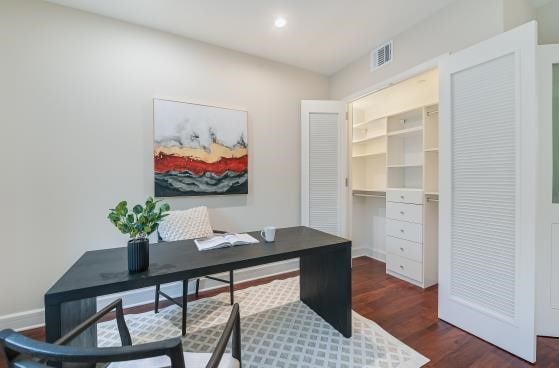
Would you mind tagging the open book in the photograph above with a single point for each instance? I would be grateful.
(225, 240)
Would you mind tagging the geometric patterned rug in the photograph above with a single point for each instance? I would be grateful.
(277, 330)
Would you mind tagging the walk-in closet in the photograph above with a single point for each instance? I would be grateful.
(394, 159)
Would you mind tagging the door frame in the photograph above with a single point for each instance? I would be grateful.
(547, 317)
(374, 88)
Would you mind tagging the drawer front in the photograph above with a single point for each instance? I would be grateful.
(404, 266)
(404, 230)
(404, 196)
(405, 248)
(404, 212)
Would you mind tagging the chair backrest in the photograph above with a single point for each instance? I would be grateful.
(23, 352)
(185, 224)
(232, 330)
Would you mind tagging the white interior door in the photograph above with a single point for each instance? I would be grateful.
(488, 144)
(547, 254)
(323, 165)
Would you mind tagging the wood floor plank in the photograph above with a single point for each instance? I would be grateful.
(410, 314)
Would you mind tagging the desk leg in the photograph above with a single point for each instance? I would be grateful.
(325, 282)
(61, 318)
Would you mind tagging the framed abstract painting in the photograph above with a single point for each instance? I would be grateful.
(199, 149)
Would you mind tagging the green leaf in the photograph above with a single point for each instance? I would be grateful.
(122, 208)
(113, 217)
(140, 221)
(138, 209)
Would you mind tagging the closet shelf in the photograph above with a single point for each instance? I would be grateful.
(403, 189)
(370, 138)
(377, 193)
(405, 131)
(369, 154)
(363, 123)
(417, 164)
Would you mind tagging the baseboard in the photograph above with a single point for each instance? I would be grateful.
(35, 318)
(23, 320)
(359, 252)
(379, 255)
(370, 252)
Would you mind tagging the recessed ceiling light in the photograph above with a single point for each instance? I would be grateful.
(280, 22)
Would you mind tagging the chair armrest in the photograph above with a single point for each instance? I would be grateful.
(232, 327)
(59, 353)
(26, 364)
(122, 328)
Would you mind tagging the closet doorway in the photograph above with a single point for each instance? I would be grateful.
(393, 163)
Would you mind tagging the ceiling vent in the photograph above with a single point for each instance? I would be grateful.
(381, 55)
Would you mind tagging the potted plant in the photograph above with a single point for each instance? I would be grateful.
(139, 224)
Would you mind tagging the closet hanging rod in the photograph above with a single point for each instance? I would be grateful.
(432, 200)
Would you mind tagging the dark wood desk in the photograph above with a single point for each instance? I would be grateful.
(325, 275)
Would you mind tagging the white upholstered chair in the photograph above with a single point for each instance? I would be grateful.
(182, 225)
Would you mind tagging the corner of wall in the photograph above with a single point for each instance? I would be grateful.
(548, 24)
(516, 13)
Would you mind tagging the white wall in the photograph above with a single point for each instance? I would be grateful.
(517, 12)
(76, 95)
(548, 22)
(463, 23)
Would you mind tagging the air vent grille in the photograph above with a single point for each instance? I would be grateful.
(382, 55)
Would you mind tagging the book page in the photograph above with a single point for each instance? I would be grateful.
(212, 243)
(240, 239)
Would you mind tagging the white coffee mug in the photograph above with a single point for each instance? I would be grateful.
(269, 234)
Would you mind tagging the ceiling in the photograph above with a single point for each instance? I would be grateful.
(320, 35)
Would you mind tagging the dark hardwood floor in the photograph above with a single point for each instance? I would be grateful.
(410, 314)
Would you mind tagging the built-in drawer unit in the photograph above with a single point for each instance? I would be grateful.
(404, 266)
(405, 195)
(404, 212)
(405, 248)
(404, 230)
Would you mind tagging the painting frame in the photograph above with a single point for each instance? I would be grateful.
(199, 149)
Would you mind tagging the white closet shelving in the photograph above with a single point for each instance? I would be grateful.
(369, 154)
(394, 168)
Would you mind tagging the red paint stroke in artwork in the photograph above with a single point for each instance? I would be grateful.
(165, 163)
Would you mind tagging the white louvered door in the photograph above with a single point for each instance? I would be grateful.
(488, 143)
(323, 165)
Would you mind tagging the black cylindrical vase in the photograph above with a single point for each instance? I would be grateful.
(138, 255)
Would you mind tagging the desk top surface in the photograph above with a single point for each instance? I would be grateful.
(102, 272)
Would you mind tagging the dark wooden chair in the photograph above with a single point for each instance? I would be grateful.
(23, 352)
(183, 303)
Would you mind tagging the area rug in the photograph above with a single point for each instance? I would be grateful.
(278, 330)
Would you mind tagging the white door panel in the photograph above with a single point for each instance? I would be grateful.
(488, 140)
(323, 165)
